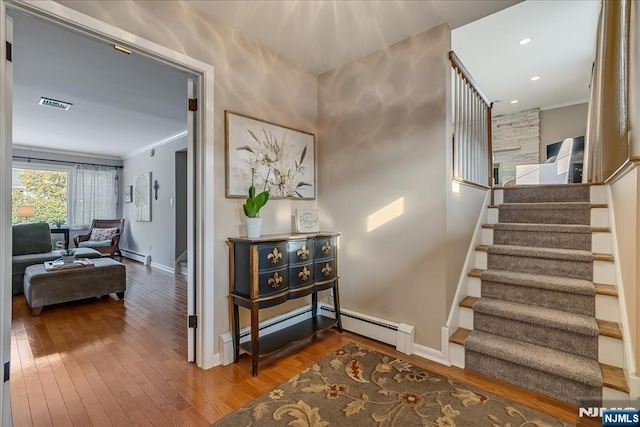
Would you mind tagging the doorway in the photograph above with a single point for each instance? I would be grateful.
(200, 153)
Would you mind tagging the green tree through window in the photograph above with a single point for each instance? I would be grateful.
(44, 189)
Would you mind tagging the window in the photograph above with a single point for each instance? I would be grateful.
(45, 190)
(69, 195)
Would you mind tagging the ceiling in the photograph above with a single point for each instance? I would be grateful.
(118, 109)
(323, 35)
(561, 53)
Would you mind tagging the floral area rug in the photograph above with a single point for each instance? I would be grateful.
(357, 386)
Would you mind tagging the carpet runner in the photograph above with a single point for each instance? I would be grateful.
(534, 325)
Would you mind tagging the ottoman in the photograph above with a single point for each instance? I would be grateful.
(42, 287)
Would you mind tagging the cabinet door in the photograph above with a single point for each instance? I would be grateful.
(300, 251)
(325, 270)
(271, 256)
(301, 275)
(272, 282)
(324, 247)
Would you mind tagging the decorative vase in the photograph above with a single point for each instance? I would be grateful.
(254, 226)
(69, 259)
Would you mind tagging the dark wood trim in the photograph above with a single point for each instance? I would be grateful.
(470, 183)
(462, 70)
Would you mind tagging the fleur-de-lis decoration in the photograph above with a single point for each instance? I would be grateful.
(326, 248)
(274, 256)
(326, 270)
(304, 274)
(303, 253)
(275, 281)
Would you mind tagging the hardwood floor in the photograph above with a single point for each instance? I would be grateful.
(111, 362)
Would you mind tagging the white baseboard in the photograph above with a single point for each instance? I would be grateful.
(431, 354)
(268, 326)
(400, 335)
(136, 256)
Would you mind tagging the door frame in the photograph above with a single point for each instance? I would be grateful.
(201, 273)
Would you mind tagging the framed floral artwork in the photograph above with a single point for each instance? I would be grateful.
(274, 157)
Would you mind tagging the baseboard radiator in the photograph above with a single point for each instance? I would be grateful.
(136, 256)
(398, 334)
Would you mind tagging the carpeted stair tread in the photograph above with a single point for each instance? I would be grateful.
(554, 283)
(546, 317)
(614, 377)
(546, 206)
(610, 329)
(543, 228)
(562, 193)
(566, 365)
(547, 253)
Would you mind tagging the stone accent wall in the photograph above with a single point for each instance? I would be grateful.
(516, 141)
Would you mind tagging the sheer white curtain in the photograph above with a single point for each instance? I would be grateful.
(94, 194)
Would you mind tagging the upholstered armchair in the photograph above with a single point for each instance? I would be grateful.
(103, 236)
(555, 171)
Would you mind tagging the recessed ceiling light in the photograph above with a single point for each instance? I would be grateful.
(515, 101)
(535, 78)
(524, 41)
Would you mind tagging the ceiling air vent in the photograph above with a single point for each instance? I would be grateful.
(54, 103)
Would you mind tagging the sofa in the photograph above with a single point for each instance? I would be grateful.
(32, 245)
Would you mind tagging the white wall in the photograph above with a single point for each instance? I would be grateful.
(157, 237)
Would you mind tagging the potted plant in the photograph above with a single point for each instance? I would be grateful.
(68, 255)
(251, 209)
(58, 223)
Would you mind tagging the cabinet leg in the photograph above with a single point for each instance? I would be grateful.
(255, 343)
(236, 333)
(314, 304)
(336, 305)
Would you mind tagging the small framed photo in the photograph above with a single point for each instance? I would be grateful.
(128, 194)
(307, 221)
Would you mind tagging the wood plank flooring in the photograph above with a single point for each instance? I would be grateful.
(108, 362)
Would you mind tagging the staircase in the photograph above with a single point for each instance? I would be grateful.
(541, 308)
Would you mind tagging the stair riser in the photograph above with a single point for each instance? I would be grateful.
(570, 342)
(604, 272)
(531, 379)
(574, 303)
(610, 351)
(577, 241)
(607, 308)
(551, 267)
(545, 216)
(600, 242)
(549, 195)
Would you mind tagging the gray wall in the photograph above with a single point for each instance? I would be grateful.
(156, 237)
(560, 123)
(181, 202)
(384, 142)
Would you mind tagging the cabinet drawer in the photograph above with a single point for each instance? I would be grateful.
(272, 282)
(325, 247)
(301, 275)
(272, 256)
(300, 251)
(325, 270)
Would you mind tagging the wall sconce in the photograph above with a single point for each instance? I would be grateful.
(155, 187)
(26, 212)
